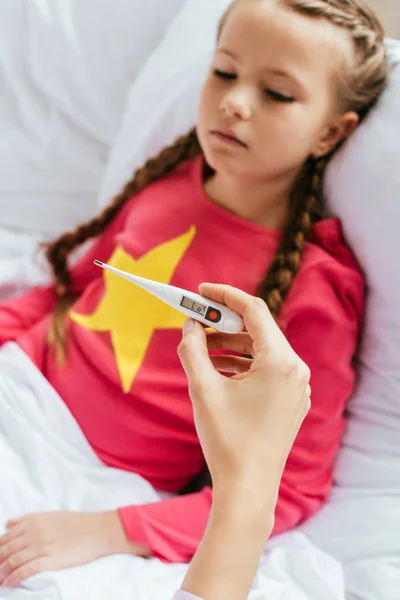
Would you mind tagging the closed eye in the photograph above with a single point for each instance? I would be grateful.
(275, 95)
(224, 75)
(279, 97)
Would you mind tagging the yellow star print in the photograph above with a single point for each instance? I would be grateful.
(131, 314)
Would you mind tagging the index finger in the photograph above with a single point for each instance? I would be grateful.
(257, 317)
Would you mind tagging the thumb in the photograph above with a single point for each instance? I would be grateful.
(193, 353)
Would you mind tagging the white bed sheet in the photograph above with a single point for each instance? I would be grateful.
(21, 264)
(47, 464)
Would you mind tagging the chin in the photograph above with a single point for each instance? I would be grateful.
(227, 162)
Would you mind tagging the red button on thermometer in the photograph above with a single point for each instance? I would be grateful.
(206, 311)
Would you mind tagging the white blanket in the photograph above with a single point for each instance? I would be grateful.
(46, 464)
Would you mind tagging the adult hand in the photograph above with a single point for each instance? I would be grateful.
(246, 423)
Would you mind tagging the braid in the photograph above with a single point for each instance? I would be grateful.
(365, 79)
(58, 252)
(306, 209)
(352, 15)
(360, 87)
(306, 206)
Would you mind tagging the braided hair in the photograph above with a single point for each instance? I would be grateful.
(306, 209)
(358, 89)
(59, 251)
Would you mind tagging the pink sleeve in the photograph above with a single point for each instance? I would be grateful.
(323, 326)
(185, 596)
(21, 313)
(172, 528)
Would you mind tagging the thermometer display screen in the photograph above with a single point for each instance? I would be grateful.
(196, 307)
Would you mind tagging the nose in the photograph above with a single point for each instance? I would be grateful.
(236, 104)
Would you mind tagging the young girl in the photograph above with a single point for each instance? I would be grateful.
(238, 201)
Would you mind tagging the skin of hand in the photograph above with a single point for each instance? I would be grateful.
(58, 540)
(246, 424)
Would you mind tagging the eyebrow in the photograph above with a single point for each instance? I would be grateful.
(273, 71)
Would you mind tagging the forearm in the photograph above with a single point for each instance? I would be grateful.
(21, 313)
(226, 561)
(115, 538)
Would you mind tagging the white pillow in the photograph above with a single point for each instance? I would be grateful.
(65, 69)
(360, 525)
(163, 102)
(363, 188)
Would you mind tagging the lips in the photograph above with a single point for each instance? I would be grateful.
(229, 136)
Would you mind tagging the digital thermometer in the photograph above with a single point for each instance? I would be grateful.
(206, 311)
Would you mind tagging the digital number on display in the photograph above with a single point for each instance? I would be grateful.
(196, 307)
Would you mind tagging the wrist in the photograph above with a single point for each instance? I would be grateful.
(239, 504)
(237, 530)
(247, 492)
(116, 538)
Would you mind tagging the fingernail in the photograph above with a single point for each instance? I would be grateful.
(187, 326)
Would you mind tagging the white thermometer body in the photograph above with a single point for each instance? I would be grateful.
(193, 305)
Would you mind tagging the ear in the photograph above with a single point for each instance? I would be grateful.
(339, 128)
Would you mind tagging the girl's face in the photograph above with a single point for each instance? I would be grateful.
(272, 88)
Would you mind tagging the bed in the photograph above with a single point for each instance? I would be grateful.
(69, 112)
